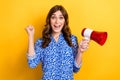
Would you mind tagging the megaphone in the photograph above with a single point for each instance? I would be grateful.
(99, 37)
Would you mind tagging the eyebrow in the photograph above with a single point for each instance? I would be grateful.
(55, 14)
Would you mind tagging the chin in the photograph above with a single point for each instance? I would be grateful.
(57, 31)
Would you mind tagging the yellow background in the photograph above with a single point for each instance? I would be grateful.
(99, 62)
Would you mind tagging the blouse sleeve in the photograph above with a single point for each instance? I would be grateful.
(34, 60)
(76, 67)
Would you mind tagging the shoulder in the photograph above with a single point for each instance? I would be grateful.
(74, 40)
(73, 37)
(39, 41)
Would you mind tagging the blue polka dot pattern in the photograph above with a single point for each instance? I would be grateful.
(58, 59)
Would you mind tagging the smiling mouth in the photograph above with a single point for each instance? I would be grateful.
(57, 26)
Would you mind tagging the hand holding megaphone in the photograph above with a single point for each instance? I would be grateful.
(84, 44)
(99, 37)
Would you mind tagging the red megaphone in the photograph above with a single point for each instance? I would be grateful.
(99, 37)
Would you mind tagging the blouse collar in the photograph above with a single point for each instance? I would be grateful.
(59, 39)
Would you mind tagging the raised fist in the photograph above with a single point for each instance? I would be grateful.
(30, 30)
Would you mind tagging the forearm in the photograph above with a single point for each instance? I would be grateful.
(77, 62)
(31, 50)
(82, 48)
(78, 57)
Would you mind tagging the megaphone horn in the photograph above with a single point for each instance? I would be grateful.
(99, 37)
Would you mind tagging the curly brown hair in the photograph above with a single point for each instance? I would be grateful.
(48, 30)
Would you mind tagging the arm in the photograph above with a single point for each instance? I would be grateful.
(30, 31)
(33, 55)
(82, 47)
(78, 52)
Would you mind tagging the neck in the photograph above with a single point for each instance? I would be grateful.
(56, 36)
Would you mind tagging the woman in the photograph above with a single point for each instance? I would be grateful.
(58, 49)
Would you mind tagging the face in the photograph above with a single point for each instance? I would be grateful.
(57, 22)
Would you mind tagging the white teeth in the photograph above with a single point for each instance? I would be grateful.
(57, 26)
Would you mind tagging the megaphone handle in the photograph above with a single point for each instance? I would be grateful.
(87, 38)
(84, 44)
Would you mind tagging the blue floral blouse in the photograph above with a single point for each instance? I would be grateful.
(58, 59)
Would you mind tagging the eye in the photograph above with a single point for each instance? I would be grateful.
(61, 17)
(53, 17)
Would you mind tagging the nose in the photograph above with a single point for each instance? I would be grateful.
(57, 20)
